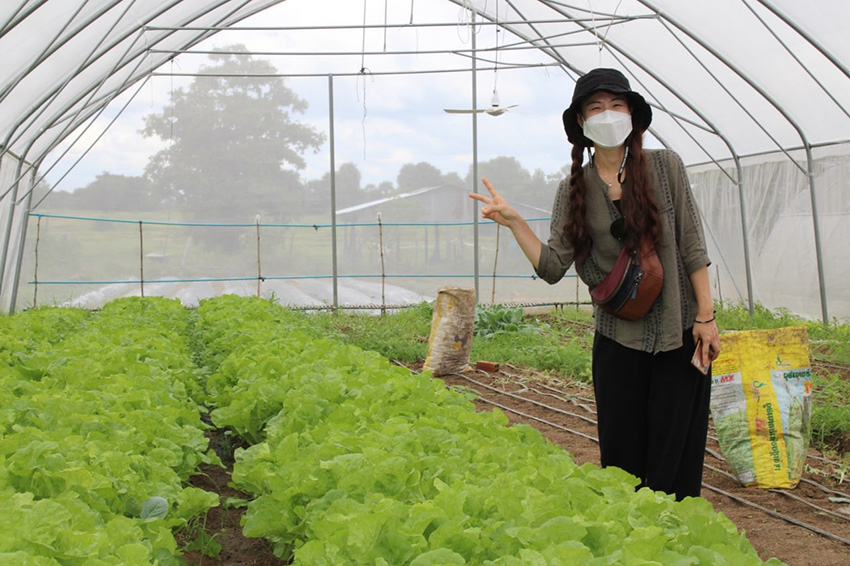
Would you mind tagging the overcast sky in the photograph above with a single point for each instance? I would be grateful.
(381, 122)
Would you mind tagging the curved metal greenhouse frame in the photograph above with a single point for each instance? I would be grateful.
(729, 81)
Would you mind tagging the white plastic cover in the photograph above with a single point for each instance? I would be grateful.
(726, 78)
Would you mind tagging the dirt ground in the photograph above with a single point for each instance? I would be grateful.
(806, 526)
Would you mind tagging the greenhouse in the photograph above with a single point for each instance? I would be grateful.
(217, 193)
(752, 95)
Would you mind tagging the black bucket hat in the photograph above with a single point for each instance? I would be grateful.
(609, 80)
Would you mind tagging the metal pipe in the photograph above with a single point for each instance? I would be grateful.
(805, 35)
(519, 46)
(476, 236)
(502, 66)
(390, 26)
(19, 15)
(333, 191)
(7, 232)
(13, 297)
(742, 202)
(816, 227)
(796, 58)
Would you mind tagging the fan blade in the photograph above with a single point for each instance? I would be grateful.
(458, 111)
(499, 110)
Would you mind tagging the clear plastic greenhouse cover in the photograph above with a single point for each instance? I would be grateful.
(360, 197)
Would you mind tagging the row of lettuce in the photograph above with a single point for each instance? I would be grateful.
(356, 461)
(99, 434)
(352, 460)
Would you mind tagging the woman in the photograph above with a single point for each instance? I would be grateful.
(652, 404)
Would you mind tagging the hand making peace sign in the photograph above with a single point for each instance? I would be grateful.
(497, 209)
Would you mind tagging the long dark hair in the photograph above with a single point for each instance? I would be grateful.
(637, 201)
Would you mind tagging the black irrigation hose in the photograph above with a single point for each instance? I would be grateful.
(519, 397)
(543, 421)
(804, 501)
(786, 493)
(738, 499)
(778, 515)
(824, 488)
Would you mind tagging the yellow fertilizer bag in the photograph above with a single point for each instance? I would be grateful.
(761, 403)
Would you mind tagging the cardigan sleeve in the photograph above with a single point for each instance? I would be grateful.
(556, 255)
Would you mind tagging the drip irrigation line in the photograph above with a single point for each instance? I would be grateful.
(777, 515)
(788, 494)
(541, 420)
(577, 400)
(804, 501)
(824, 488)
(520, 398)
(715, 454)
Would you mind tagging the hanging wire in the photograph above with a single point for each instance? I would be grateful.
(465, 21)
(600, 41)
(496, 65)
(364, 71)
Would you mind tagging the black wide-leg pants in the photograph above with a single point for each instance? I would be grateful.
(653, 414)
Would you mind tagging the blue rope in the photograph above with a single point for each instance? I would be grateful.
(262, 225)
(284, 277)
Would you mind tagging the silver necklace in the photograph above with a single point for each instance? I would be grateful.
(619, 173)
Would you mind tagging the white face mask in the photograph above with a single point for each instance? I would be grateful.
(609, 128)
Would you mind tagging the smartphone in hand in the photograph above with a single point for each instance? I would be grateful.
(696, 360)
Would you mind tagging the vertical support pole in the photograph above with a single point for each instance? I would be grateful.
(495, 265)
(259, 268)
(7, 232)
(35, 275)
(816, 226)
(333, 191)
(141, 258)
(476, 244)
(383, 270)
(746, 234)
(25, 219)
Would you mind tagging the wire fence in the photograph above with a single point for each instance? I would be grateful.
(262, 273)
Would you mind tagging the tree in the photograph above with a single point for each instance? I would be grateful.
(412, 177)
(317, 192)
(452, 178)
(385, 189)
(504, 172)
(348, 191)
(234, 148)
(110, 193)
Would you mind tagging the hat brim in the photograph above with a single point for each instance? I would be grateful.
(640, 109)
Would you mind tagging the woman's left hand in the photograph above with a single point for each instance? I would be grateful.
(708, 338)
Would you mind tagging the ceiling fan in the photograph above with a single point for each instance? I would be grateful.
(495, 108)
